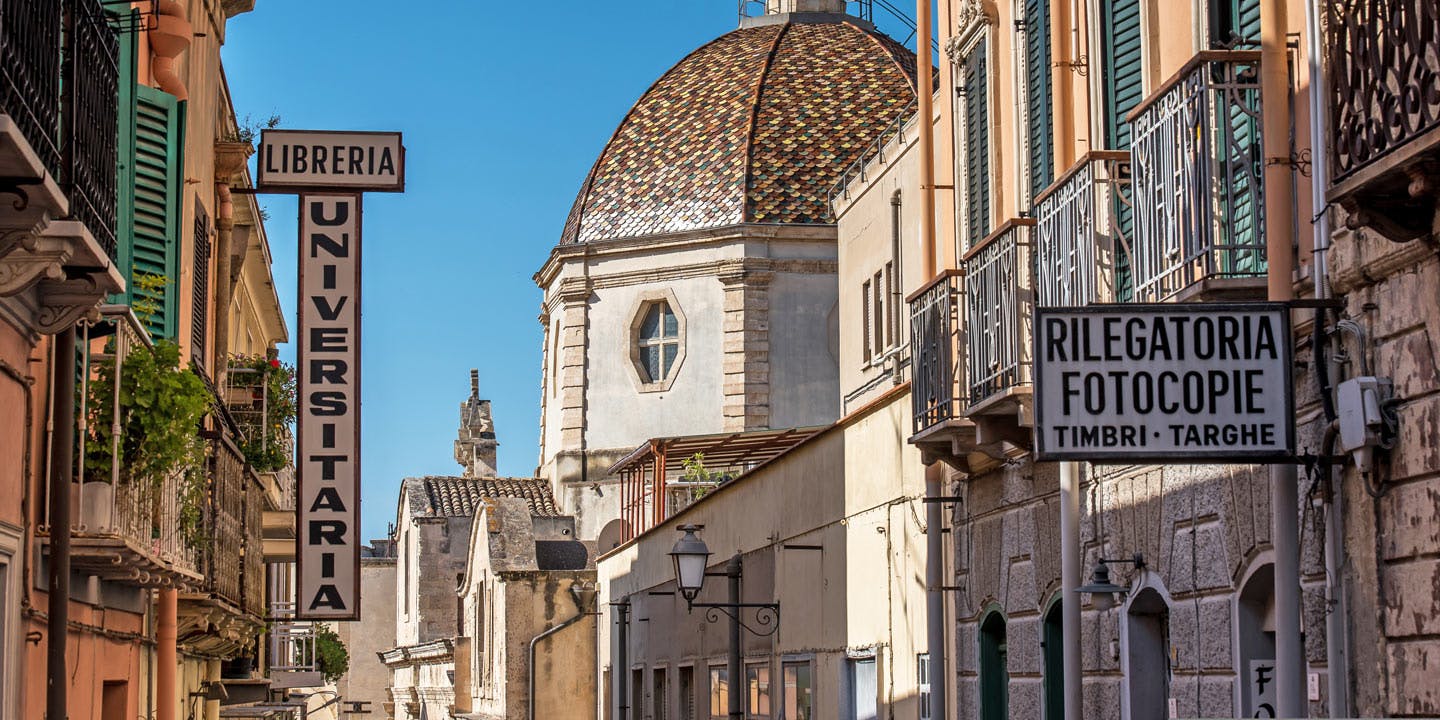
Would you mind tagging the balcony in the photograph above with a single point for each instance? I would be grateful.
(223, 615)
(1384, 114)
(970, 392)
(1198, 184)
(292, 659)
(1083, 232)
(58, 138)
(126, 528)
(250, 395)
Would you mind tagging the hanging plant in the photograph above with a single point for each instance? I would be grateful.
(161, 405)
(266, 439)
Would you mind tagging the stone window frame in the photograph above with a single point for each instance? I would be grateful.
(643, 303)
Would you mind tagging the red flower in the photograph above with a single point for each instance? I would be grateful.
(274, 363)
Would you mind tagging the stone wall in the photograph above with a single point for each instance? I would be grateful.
(1392, 542)
(1202, 530)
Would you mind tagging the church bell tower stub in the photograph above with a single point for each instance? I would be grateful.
(475, 446)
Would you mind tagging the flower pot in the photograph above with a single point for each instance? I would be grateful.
(97, 505)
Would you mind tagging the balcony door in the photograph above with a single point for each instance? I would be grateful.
(1122, 87)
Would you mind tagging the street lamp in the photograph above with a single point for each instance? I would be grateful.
(691, 557)
(1103, 592)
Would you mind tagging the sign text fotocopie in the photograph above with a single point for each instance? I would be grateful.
(1174, 382)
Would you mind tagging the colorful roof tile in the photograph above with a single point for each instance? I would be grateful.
(755, 126)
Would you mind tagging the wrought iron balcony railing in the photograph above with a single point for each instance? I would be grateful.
(292, 643)
(1083, 233)
(936, 392)
(59, 83)
(234, 562)
(1197, 162)
(129, 529)
(1382, 63)
(999, 300)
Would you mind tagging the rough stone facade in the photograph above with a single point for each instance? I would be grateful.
(1392, 542)
(1204, 534)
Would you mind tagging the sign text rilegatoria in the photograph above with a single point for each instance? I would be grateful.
(328, 442)
(1182, 382)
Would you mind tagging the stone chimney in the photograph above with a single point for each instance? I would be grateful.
(475, 446)
(774, 7)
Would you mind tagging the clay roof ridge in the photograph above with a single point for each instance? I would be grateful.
(745, 215)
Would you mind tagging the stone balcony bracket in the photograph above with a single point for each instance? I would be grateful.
(64, 262)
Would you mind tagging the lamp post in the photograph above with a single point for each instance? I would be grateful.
(1103, 591)
(691, 557)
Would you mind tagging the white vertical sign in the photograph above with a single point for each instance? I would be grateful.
(328, 442)
(1261, 679)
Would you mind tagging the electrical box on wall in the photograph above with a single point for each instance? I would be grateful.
(1360, 403)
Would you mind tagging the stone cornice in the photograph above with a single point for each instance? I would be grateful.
(649, 244)
(579, 289)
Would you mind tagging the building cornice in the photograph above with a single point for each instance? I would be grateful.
(649, 244)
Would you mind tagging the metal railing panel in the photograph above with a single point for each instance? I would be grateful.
(936, 389)
(1080, 238)
(999, 299)
(1198, 182)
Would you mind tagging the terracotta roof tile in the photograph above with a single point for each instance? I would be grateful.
(442, 496)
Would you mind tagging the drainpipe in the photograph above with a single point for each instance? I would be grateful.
(620, 665)
(165, 654)
(1071, 685)
(62, 462)
(1284, 492)
(584, 611)
(1337, 630)
(224, 228)
(934, 473)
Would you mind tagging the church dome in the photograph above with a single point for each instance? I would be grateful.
(753, 127)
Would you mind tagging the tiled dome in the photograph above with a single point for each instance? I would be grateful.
(754, 127)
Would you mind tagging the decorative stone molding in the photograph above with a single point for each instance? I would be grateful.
(62, 261)
(746, 343)
(970, 17)
(642, 306)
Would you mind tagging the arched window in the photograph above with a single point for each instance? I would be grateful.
(1052, 645)
(994, 673)
(1147, 652)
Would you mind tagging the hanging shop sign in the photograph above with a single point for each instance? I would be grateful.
(328, 436)
(1185, 382)
(308, 160)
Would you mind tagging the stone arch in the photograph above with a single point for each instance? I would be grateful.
(1145, 649)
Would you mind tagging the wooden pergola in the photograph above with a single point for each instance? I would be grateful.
(645, 474)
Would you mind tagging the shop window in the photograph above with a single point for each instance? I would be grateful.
(799, 689)
(757, 691)
(719, 693)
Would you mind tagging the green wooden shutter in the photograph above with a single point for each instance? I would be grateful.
(1039, 95)
(1235, 24)
(155, 212)
(1123, 81)
(128, 62)
(977, 146)
(1123, 87)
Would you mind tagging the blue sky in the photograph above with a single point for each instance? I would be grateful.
(503, 109)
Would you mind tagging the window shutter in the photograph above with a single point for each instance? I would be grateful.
(154, 212)
(127, 66)
(200, 287)
(1038, 94)
(1124, 82)
(977, 146)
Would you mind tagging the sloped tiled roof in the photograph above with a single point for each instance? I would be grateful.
(443, 496)
(755, 126)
